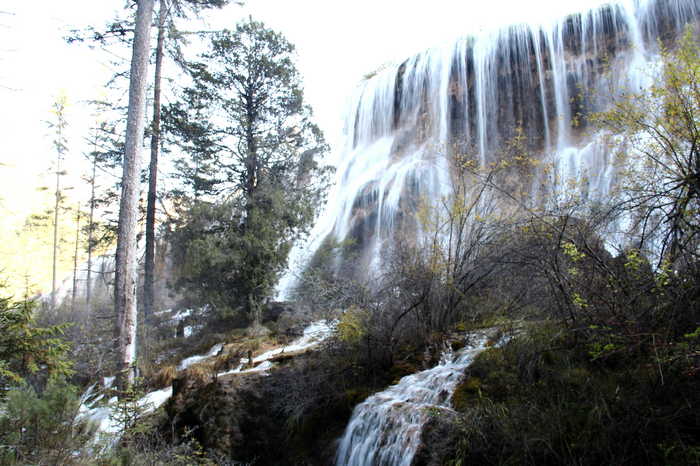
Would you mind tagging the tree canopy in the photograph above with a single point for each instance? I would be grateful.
(248, 137)
(26, 349)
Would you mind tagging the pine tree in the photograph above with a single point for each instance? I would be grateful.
(25, 349)
(168, 10)
(248, 136)
(125, 273)
(59, 112)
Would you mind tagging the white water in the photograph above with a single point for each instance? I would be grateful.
(104, 415)
(314, 334)
(101, 274)
(522, 74)
(185, 363)
(385, 429)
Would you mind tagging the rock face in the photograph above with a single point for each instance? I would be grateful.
(208, 410)
(239, 419)
(470, 97)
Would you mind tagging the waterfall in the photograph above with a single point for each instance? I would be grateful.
(385, 429)
(402, 125)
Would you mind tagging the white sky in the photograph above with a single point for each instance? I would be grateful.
(337, 43)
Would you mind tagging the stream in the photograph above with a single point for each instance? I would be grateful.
(385, 430)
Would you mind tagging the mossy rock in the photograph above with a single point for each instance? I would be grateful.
(211, 412)
(457, 345)
(488, 360)
(466, 394)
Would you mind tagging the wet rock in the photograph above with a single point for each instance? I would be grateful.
(437, 444)
(274, 310)
(207, 411)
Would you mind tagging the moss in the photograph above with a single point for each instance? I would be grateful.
(466, 394)
(401, 370)
(353, 397)
(457, 345)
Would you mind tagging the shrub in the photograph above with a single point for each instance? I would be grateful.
(45, 428)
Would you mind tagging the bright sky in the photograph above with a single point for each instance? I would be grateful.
(337, 43)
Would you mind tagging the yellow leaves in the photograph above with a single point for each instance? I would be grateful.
(571, 250)
(352, 325)
(578, 301)
(634, 260)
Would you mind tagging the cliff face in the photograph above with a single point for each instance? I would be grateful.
(527, 76)
(473, 96)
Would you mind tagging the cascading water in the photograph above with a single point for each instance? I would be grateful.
(475, 92)
(385, 429)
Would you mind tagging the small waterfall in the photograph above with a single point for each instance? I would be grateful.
(385, 429)
(475, 92)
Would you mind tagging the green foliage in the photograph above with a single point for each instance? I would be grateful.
(351, 326)
(128, 410)
(46, 428)
(246, 133)
(540, 399)
(230, 263)
(27, 350)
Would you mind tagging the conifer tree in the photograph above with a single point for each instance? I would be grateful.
(125, 273)
(168, 10)
(25, 349)
(248, 135)
(59, 112)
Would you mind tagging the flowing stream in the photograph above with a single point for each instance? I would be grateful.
(385, 429)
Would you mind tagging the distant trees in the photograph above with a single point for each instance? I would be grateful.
(249, 138)
(105, 156)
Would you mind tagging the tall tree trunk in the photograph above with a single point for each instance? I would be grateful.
(150, 264)
(88, 292)
(60, 109)
(125, 273)
(55, 227)
(75, 266)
